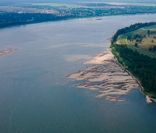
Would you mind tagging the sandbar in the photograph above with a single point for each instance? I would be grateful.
(6, 51)
(105, 75)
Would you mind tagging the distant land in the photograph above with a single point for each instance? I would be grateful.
(27, 13)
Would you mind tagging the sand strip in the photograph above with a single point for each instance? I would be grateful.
(106, 76)
(9, 50)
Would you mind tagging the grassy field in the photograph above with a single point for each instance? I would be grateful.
(143, 45)
(55, 5)
(132, 4)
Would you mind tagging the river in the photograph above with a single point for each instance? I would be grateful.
(35, 95)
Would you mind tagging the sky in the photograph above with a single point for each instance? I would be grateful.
(77, 0)
(28, 1)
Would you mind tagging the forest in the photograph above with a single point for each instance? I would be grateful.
(11, 19)
(141, 66)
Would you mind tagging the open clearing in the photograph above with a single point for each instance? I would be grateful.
(143, 40)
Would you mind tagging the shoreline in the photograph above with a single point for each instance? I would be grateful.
(109, 83)
(148, 98)
(107, 77)
(6, 25)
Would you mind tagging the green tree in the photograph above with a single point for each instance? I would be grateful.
(136, 44)
(148, 32)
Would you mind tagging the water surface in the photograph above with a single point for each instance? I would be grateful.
(35, 95)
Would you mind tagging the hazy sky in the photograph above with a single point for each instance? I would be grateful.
(21, 1)
(77, 0)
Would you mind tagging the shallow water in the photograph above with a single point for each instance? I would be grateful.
(35, 95)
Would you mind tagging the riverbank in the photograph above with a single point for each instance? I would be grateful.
(130, 61)
(107, 77)
(135, 59)
(148, 98)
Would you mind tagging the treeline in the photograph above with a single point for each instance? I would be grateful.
(141, 66)
(129, 29)
(136, 37)
(11, 19)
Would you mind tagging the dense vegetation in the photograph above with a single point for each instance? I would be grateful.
(10, 19)
(141, 66)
